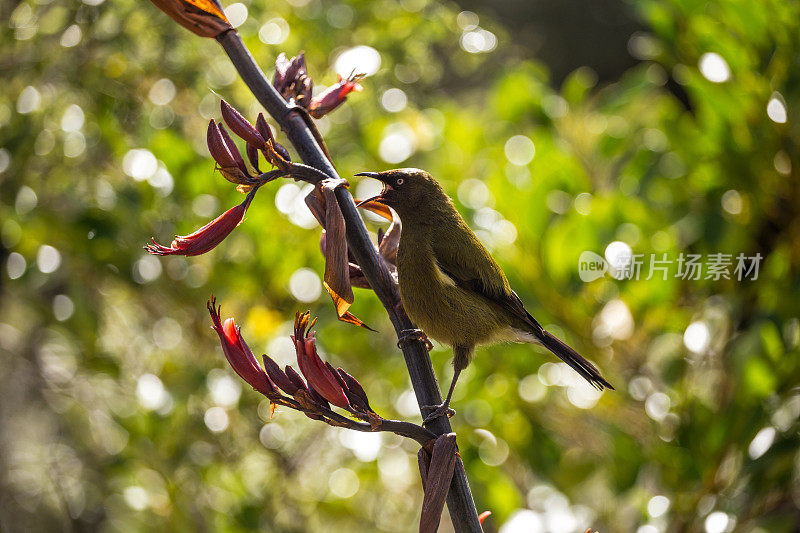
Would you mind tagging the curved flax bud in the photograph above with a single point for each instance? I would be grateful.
(278, 376)
(295, 378)
(337, 271)
(217, 146)
(319, 377)
(302, 393)
(224, 151)
(234, 151)
(240, 125)
(354, 389)
(391, 241)
(207, 237)
(355, 403)
(238, 354)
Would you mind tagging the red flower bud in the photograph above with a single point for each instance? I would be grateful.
(295, 378)
(238, 354)
(334, 96)
(263, 128)
(224, 151)
(207, 237)
(240, 125)
(278, 377)
(217, 147)
(355, 392)
(234, 151)
(318, 375)
(205, 18)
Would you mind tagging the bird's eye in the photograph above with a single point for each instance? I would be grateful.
(400, 181)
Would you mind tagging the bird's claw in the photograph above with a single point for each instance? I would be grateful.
(436, 411)
(408, 335)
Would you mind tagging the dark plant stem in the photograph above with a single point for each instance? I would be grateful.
(400, 427)
(459, 499)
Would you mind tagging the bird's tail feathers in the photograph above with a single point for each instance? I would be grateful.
(583, 367)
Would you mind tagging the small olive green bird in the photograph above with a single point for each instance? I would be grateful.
(451, 286)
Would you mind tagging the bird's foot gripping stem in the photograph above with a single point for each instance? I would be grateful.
(435, 411)
(408, 335)
(444, 409)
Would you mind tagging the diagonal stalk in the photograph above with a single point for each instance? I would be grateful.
(459, 499)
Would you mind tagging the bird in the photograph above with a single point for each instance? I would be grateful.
(450, 285)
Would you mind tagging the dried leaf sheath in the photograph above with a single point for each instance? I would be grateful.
(436, 480)
(202, 17)
(322, 203)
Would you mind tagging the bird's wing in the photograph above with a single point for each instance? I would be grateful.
(464, 259)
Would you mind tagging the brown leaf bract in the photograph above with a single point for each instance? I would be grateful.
(323, 204)
(437, 481)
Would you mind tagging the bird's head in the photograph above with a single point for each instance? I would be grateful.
(407, 190)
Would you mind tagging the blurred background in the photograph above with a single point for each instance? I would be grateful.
(650, 127)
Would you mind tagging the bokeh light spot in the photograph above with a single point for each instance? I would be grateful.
(394, 100)
(761, 443)
(162, 92)
(305, 285)
(776, 109)
(519, 150)
(274, 31)
(343, 483)
(657, 506)
(697, 337)
(714, 67)
(236, 13)
(359, 59)
(216, 419)
(48, 259)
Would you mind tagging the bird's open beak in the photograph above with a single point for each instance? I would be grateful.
(370, 175)
(378, 199)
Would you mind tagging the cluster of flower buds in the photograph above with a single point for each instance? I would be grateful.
(323, 386)
(294, 83)
(229, 161)
(292, 80)
(258, 138)
(334, 384)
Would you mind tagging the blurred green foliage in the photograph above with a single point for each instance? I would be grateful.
(119, 413)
